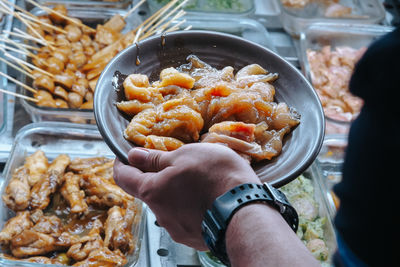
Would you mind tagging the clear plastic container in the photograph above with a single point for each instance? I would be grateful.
(89, 3)
(90, 17)
(295, 20)
(55, 138)
(324, 211)
(210, 7)
(318, 35)
(330, 163)
(246, 28)
(3, 98)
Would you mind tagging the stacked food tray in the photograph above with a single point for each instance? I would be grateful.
(298, 33)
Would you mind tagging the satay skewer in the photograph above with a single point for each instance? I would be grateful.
(19, 95)
(49, 10)
(153, 18)
(161, 28)
(23, 52)
(27, 37)
(18, 82)
(17, 68)
(28, 64)
(133, 9)
(24, 21)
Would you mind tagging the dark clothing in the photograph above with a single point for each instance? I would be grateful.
(367, 219)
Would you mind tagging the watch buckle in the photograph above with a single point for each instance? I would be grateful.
(275, 197)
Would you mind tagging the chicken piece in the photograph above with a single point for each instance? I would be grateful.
(318, 248)
(65, 80)
(75, 100)
(178, 118)
(89, 96)
(78, 58)
(37, 164)
(171, 76)
(133, 107)
(162, 143)
(15, 226)
(238, 130)
(18, 190)
(92, 84)
(48, 184)
(55, 18)
(79, 89)
(82, 165)
(116, 23)
(31, 243)
(305, 207)
(40, 60)
(90, 242)
(45, 99)
(36, 259)
(335, 10)
(283, 116)
(136, 86)
(44, 82)
(86, 41)
(102, 192)
(103, 257)
(46, 20)
(105, 35)
(295, 3)
(50, 225)
(72, 192)
(74, 33)
(61, 103)
(61, 92)
(104, 170)
(118, 228)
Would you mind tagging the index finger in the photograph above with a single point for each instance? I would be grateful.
(128, 178)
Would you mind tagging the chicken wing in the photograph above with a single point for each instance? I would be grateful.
(37, 164)
(41, 191)
(32, 243)
(103, 257)
(15, 226)
(18, 191)
(80, 164)
(72, 192)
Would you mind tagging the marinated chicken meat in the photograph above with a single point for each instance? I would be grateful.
(37, 164)
(330, 8)
(330, 71)
(197, 99)
(74, 214)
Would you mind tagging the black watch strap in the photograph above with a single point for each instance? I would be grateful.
(224, 207)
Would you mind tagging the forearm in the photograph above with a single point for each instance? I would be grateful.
(259, 236)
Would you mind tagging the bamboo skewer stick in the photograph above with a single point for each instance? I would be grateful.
(49, 10)
(148, 22)
(139, 32)
(165, 25)
(19, 95)
(18, 82)
(26, 53)
(44, 23)
(176, 27)
(29, 65)
(133, 9)
(21, 45)
(17, 7)
(33, 30)
(17, 68)
(27, 37)
(168, 15)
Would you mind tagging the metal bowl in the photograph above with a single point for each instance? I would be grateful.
(300, 147)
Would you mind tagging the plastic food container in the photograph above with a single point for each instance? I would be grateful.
(295, 20)
(246, 28)
(89, 3)
(318, 35)
(55, 138)
(320, 197)
(90, 17)
(205, 7)
(330, 162)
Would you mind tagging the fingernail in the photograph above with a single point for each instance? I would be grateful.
(139, 156)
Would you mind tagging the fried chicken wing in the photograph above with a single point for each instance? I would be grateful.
(72, 192)
(102, 192)
(37, 164)
(48, 184)
(103, 257)
(15, 226)
(18, 191)
(79, 165)
(50, 225)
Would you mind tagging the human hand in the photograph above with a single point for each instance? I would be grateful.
(180, 185)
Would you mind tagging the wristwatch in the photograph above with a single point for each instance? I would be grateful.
(216, 219)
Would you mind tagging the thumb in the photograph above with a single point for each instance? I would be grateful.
(149, 160)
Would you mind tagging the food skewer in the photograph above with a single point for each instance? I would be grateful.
(176, 27)
(150, 21)
(49, 10)
(19, 95)
(21, 45)
(17, 68)
(26, 53)
(161, 28)
(33, 30)
(44, 23)
(18, 82)
(133, 9)
(23, 36)
(29, 65)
